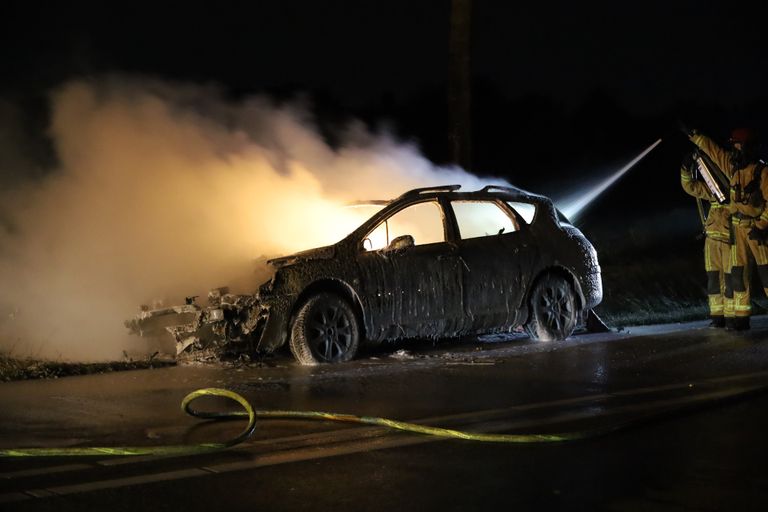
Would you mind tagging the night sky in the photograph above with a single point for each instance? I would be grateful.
(561, 91)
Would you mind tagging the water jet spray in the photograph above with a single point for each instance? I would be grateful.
(573, 205)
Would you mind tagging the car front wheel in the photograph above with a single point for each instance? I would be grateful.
(325, 330)
(553, 309)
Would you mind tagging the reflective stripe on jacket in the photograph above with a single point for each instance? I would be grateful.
(718, 224)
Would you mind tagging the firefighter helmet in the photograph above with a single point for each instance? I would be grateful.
(742, 135)
(744, 147)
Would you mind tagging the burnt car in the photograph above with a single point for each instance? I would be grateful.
(434, 263)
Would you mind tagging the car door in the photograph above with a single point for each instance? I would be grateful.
(498, 256)
(410, 276)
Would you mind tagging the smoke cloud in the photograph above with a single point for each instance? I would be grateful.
(165, 190)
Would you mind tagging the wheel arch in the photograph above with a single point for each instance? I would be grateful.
(335, 286)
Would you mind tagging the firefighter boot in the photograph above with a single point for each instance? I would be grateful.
(741, 323)
(717, 321)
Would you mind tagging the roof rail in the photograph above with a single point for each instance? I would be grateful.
(490, 188)
(371, 202)
(426, 190)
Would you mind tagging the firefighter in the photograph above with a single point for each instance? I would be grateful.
(717, 248)
(749, 217)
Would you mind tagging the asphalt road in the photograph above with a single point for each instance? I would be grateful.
(689, 401)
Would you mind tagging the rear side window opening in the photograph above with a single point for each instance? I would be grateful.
(481, 218)
(526, 211)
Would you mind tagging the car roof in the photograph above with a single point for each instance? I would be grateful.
(449, 192)
(452, 191)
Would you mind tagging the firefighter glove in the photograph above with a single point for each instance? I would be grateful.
(689, 164)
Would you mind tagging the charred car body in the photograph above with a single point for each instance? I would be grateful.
(433, 263)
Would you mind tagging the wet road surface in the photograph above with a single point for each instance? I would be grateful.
(690, 444)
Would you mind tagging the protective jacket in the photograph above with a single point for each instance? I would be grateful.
(718, 223)
(748, 192)
(747, 203)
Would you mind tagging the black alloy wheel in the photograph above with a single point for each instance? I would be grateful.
(554, 310)
(325, 330)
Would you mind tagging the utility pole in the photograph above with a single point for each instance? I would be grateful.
(459, 84)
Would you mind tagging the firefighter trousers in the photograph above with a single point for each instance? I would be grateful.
(740, 252)
(717, 262)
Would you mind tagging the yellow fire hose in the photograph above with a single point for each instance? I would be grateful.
(192, 449)
(185, 449)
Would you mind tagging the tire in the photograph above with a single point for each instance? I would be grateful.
(324, 330)
(554, 309)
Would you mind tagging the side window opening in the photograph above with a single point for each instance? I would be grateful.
(526, 211)
(481, 218)
(423, 221)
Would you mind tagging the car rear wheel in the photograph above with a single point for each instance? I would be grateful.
(325, 330)
(554, 310)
